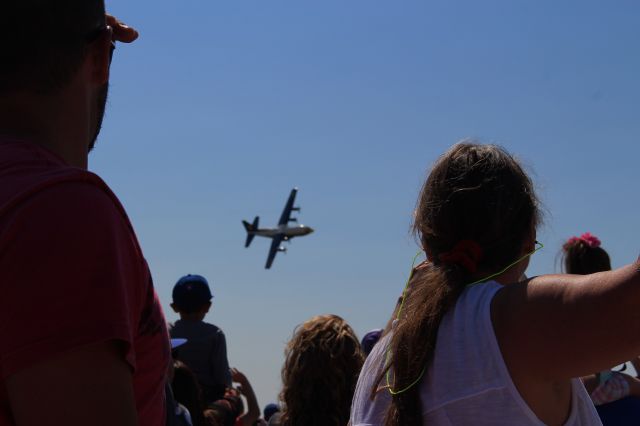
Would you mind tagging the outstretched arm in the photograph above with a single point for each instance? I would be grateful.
(89, 385)
(253, 413)
(556, 327)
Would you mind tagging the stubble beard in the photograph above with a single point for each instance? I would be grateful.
(101, 108)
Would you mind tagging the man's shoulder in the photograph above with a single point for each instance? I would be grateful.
(70, 197)
(74, 215)
(71, 183)
(27, 169)
(62, 189)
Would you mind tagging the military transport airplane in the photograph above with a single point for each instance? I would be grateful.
(283, 232)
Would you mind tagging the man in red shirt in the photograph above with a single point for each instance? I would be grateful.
(83, 339)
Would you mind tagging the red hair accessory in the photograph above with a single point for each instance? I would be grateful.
(587, 238)
(466, 253)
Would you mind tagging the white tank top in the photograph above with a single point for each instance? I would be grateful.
(468, 382)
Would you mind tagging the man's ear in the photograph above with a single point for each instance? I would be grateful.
(99, 57)
(175, 308)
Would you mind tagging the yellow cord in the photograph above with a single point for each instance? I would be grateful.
(406, 286)
(404, 295)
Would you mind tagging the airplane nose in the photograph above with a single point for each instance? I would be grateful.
(310, 229)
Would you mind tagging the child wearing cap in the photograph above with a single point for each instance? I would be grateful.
(205, 351)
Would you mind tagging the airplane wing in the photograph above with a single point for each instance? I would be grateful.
(275, 245)
(288, 208)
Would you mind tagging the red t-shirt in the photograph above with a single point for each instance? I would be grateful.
(72, 273)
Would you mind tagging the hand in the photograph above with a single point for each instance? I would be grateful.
(238, 376)
(233, 392)
(121, 32)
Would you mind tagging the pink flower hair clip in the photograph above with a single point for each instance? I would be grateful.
(571, 242)
(590, 240)
(587, 238)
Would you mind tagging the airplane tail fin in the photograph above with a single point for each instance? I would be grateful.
(251, 229)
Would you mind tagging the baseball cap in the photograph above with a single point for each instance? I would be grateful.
(191, 292)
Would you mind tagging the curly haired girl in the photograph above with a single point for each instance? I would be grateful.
(322, 363)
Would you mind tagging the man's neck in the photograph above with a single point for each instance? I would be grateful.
(49, 122)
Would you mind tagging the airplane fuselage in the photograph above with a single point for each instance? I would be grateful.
(286, 231)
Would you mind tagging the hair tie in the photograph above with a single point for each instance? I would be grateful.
(466, 253)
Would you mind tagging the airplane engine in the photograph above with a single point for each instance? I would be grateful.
(282, 249)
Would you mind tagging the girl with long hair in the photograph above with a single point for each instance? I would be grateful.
(474, 345)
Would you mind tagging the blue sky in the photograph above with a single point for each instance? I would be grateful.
(222, 107)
